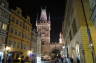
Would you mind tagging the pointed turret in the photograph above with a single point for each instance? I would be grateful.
(60, 38)
(49, 18)
(43, 16)
(36, 20)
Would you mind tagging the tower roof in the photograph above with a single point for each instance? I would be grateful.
(43, 15)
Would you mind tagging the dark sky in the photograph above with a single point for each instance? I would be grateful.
(33, 7)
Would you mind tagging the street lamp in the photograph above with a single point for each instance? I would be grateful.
(8, 48)
(29, 52)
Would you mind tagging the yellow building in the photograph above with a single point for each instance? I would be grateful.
(19, 35)
(79, 32)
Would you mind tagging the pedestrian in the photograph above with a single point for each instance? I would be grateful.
(62, 59)
(71, 59)
(10, 60)
(26, 60)
(22, 59)
(3, 60)
(65, 60)
(78, 61)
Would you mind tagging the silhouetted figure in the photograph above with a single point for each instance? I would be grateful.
(10, 59)
(22, 59)
(61, 59)
(0, 60)
(3, 60)
(71, 59)
(78, 61)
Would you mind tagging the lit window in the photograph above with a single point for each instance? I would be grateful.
(4, 26)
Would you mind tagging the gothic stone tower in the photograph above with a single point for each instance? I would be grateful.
(43, 28)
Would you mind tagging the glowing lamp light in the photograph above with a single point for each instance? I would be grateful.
(19, 58)
(63, 47)
(38, 59)
(8, 48)
(29, 52)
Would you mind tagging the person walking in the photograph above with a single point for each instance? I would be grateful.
(78, 61)
(22, 59)
(71, 59)
(10, 60)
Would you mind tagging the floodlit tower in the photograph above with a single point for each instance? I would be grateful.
(43, 28)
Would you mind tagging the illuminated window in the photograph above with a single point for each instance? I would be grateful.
(4, 26)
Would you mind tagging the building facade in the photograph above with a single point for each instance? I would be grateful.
(79, 31)
(20, 33)
(39, 45)
(4, 22)
(34, 41)
(43, 28)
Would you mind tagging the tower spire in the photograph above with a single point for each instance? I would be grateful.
(60, 38)
(36, 19)
(43, 15)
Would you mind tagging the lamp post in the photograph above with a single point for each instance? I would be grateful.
(89, 34)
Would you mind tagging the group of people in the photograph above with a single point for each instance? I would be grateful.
(18, 60)
(66, 60)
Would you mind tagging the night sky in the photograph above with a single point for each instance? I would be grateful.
(33, 8)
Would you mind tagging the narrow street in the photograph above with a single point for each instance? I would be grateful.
(47, 31)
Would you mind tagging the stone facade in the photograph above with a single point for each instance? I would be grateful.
(79, 31)
(43, 28)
